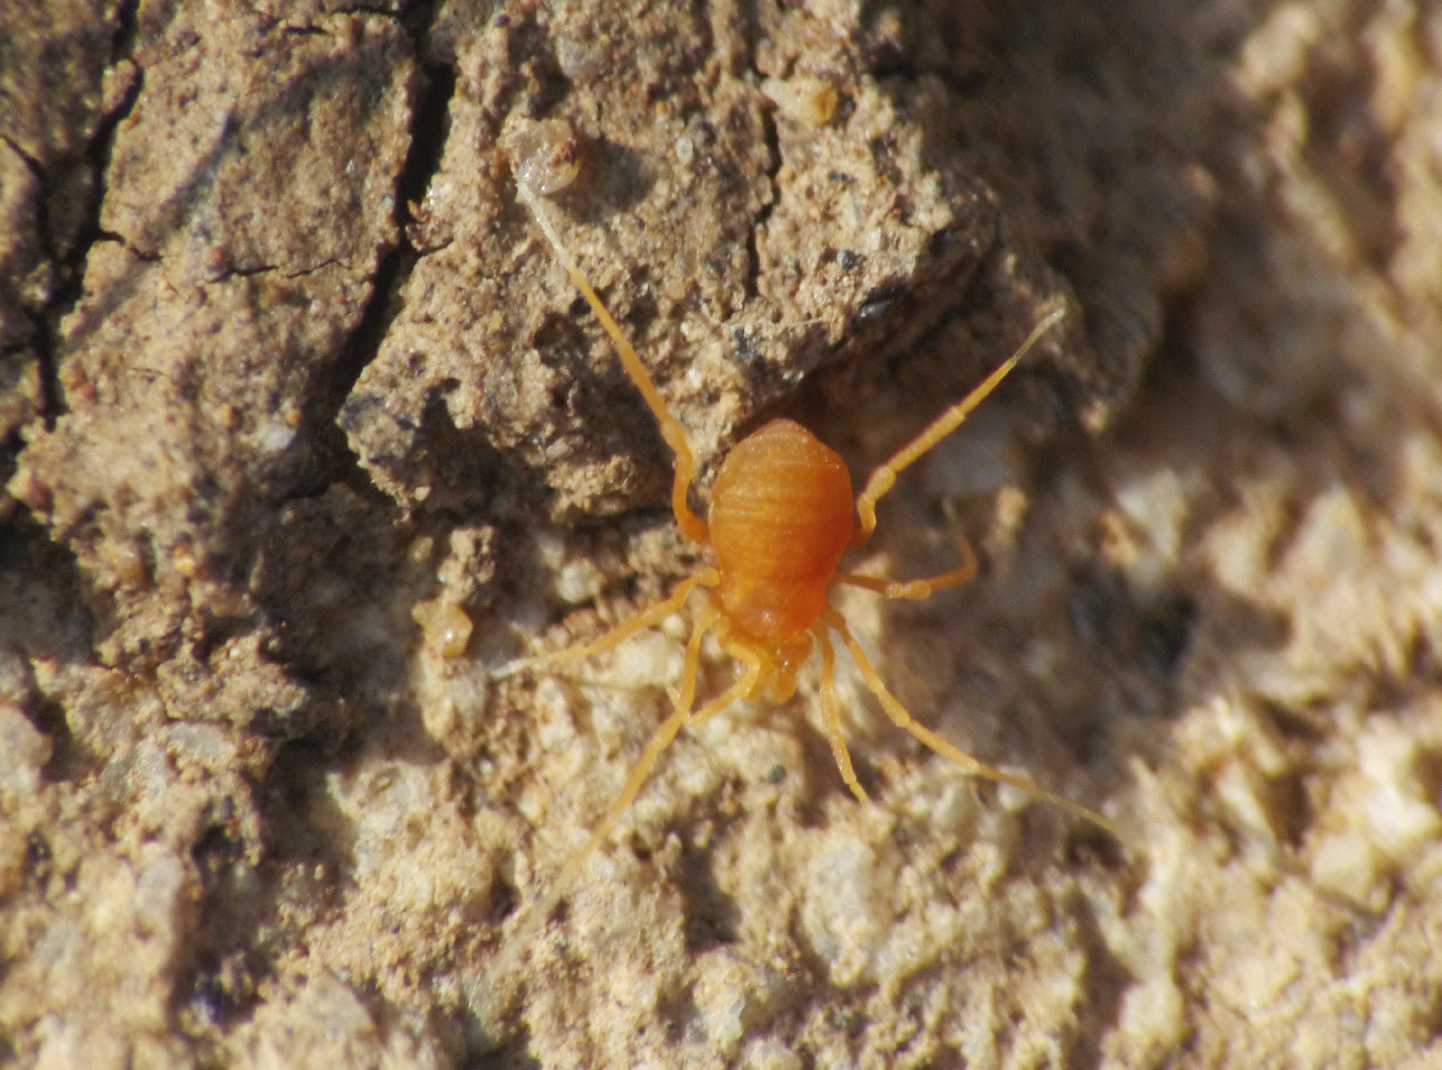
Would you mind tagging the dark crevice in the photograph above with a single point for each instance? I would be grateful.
(965, 284)
(300, 273)
(515, 1055)
(774, 158)
(68, 762)
(71, 264)
(29, 161)
(248, 272)
(102, 236)
(430, 127)
(753, 250)
(127, 28)
(28, 341)
(368, 10)
(45, 595)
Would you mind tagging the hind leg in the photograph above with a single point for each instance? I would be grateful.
(662, 738)
(884, 478)
(918, 590)
(902, 718)
(833, 716)
(531, 920)
(642, 620)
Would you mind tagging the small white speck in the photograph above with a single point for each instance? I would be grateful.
(276, 436)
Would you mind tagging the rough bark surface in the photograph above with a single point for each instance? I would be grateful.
(304, 432)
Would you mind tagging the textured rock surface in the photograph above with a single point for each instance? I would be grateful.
(303, 431)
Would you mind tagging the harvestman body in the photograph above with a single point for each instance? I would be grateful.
(779, 521)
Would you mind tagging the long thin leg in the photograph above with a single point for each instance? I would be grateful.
(663, 737)
(833, 716)
(685, 699)
(691, 525)
(884, 478)
(918, 590)
(903, 719)
(532, 918)
(620, 633)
